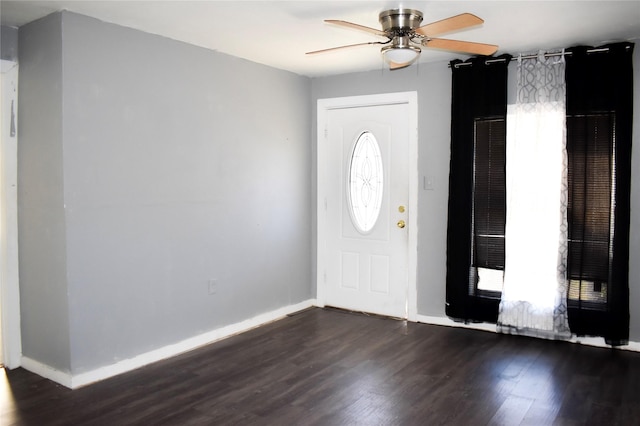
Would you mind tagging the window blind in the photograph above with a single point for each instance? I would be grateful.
(591, 180)
(489, 201)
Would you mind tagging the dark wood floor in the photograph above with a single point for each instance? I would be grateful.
(329, 367)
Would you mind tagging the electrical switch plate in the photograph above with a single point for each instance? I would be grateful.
(427, 183)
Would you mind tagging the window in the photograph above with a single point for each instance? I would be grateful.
(489, 203)
(592, 178)
(365, 182)
(599, 112)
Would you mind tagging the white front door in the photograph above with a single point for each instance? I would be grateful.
(366, 203)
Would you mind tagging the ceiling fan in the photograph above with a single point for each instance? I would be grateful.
(405, 36)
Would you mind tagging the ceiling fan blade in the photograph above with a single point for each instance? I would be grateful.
(454, 23)
(343, 47)
(356, 27)
(397, 66)
(461, 46)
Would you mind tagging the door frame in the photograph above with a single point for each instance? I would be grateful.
(9, 281)
(326, 105)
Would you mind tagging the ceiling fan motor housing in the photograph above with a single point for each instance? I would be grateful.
(405, 36)
(400, 21)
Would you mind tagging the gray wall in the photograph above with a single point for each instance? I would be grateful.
(41, 211)
(433, 84)
(179, 165)
(9, 43)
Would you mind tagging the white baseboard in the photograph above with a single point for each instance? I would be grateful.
(83, 379)
(75, 381)
(61, 377)
(589, 341)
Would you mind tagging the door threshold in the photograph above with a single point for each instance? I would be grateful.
(362, 313)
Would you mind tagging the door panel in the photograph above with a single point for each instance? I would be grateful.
(367, 271)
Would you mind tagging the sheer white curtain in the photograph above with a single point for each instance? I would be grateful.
(535, 283)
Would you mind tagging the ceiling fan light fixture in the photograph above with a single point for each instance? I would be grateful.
(400, 54)
(405, 36)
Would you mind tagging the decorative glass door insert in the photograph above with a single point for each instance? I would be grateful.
(365, 182)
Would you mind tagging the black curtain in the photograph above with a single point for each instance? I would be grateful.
(599, 129)
(479, 94)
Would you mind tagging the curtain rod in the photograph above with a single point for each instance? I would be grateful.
(546, 55)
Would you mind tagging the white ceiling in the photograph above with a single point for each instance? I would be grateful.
(278, 33)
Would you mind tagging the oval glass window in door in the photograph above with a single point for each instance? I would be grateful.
(365, 182)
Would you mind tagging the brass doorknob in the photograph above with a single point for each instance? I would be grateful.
(401, 223)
